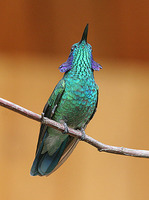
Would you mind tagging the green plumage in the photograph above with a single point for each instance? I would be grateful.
(73, 101)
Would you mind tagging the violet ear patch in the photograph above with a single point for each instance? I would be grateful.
(65, 67)
(95, 65)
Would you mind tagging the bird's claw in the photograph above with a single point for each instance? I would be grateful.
(65, 129)
(83, 134)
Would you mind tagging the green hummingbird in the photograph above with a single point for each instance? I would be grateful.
(73, 103)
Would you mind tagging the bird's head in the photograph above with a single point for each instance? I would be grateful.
(81, 54)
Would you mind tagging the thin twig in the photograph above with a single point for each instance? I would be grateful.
(100, 146)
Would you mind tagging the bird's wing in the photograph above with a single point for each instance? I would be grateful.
(50, 107)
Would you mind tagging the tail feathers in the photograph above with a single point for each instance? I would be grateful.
(43, 163)
(68, 150)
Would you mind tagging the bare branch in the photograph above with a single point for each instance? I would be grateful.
(100, 146)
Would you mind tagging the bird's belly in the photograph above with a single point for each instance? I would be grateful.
(77, 106)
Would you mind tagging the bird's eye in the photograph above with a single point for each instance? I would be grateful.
(72, 48)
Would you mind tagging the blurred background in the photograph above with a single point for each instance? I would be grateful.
(35, 39)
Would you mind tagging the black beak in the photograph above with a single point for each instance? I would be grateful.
(84, 36)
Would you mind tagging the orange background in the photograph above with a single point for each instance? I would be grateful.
(35, 38)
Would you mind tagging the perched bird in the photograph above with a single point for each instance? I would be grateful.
(73, 103)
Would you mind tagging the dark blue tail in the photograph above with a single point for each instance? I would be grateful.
(43, 163)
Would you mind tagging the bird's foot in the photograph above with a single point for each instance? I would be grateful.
(83, 134)
(65, 128)
(42, 117)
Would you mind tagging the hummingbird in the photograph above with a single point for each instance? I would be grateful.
(73, 102)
